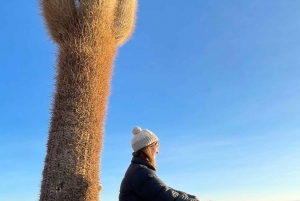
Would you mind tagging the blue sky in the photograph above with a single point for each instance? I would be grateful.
(217, 81)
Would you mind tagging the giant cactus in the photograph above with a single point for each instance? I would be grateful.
(87, 33)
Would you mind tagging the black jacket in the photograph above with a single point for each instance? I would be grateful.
(141, 184)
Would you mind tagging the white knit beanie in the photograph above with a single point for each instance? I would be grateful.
(142, 138)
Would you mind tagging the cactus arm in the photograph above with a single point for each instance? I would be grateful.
(125, 20)
(60, 17)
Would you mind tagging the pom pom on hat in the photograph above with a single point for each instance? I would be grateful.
(142, 138)
(136, 130)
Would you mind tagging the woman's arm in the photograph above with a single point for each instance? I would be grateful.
(189, 195)
(152, 188)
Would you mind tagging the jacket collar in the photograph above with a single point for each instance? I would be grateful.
(142, 161)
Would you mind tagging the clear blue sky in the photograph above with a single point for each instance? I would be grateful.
(217, 81)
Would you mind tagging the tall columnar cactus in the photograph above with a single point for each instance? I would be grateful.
(88, 33)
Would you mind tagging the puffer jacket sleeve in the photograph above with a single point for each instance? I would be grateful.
(149, 187)
(188, 195)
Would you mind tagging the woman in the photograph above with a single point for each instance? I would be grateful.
(140, 182)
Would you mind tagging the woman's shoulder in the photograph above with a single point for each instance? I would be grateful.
(141, 172)
(141, 169)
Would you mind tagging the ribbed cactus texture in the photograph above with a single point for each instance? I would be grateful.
(87, 35)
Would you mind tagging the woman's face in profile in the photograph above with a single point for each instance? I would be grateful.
(154, 150)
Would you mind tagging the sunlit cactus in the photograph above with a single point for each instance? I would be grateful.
(87, 33)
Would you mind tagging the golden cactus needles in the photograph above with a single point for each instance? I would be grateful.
(87, 36)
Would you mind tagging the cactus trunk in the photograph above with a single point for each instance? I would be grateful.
(87, 45)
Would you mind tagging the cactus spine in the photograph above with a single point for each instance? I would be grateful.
(87, 36)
